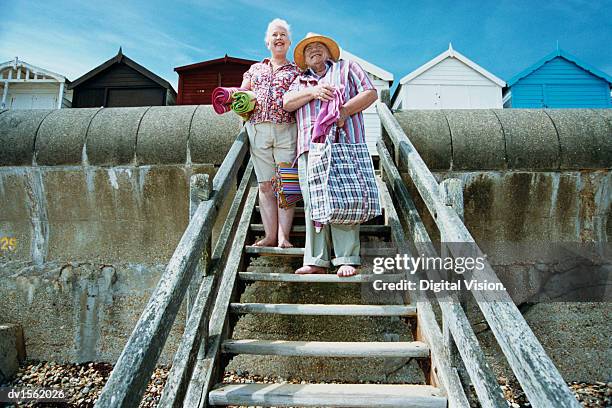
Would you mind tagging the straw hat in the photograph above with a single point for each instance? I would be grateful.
(298, 52)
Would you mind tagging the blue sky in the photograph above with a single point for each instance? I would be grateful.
(72, 37)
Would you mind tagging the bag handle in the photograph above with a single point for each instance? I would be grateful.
(336, 133)
(344, 64)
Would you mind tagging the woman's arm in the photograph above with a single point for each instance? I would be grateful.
(357, 104)
(293, 100)
(246, 83)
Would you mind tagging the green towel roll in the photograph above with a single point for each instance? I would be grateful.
(244, 102)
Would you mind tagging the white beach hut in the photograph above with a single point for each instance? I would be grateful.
(449, 81)
(382, 80)
(25, 86)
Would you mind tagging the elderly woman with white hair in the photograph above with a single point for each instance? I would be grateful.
(272, 130)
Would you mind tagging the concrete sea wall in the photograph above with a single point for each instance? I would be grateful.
(96, 201)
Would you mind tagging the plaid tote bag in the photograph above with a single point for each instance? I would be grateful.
(341, 180)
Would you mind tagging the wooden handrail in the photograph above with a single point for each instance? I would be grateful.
(195, 337)
(442, 374)
(485, 382)
(534, 370)
(129, 378)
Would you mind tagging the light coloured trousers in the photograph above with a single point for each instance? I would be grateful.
(345, 238)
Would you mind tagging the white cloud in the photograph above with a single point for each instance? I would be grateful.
(73, 43)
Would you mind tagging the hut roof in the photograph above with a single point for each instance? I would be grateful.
(120, 58)
(17, 63)
(565, 55)
(222, 60)
(452, 53)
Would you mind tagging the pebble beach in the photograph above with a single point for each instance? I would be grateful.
(82, 384)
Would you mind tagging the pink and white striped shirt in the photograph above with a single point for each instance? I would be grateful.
(354, 79)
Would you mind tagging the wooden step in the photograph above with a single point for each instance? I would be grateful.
(318, 278)
(336, 395)
(323, 310)
(273, 251)
(299, 252)
(379, 230)
(415, 349)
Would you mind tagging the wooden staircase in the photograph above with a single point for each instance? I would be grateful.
(314, 395)
(212, 283)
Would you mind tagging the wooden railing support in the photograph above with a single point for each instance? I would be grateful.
(200, 189)
(452, 195)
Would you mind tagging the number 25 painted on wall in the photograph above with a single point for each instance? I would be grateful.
(8, 243)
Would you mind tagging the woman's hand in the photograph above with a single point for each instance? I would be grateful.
(343, 116)
(323, 92)
(293, 100)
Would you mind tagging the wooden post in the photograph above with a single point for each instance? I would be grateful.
(385, 97)
(200, 189)
(451, 192)
(452, 195)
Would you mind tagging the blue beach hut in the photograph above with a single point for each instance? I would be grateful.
(559, 80)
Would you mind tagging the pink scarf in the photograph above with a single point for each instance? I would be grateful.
(328, 115)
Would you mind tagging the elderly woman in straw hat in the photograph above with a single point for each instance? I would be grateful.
(271, 129)
(318, 56)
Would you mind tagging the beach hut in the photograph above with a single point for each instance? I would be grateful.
(449, 81)
(559, 80)
(382, 80)
(197, 81)
(25, 86)
(121, 82)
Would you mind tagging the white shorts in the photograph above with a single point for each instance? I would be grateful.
(271, 143)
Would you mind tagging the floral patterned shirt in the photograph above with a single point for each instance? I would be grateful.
(269, 86)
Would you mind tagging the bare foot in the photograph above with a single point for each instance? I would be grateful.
(346, 270)
(285, 244)
(308, 269)
(266, 242)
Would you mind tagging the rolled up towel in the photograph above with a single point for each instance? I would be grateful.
(244, 102)
(222, 99)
